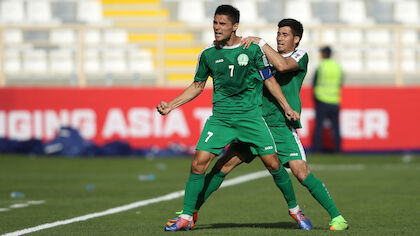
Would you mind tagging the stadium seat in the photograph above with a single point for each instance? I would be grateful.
(92, 62)
(406, 11)
(273, 10)
(352, 36)
(207, 37)
(408, 62)
(307, 37)
(353, 12)
(64, 11)
(12, 62)
(93, 36)
(141, 61)
(246, 33)
(62, 36)
(300, 10)
(410, 36)
(329, 36)
(378, 60)
(114, 61)
(380, 11)
(12, 11)
(35, 61)
(249, 11)
(381, 36)
(327, 12)
(192, 12)
(61, 61)
(12, 36)
(38, 11)
(89, 11)
(115, 36)
(269, 35)
(350, 59)
(154, 37)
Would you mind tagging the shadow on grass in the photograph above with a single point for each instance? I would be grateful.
(274, 225)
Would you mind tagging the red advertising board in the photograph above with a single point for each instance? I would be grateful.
(371, 119)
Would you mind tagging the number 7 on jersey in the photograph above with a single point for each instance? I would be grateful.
(231, 67)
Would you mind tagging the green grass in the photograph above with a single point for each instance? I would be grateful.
(378, 195)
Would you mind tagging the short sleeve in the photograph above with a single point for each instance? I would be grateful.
(261, 59)
(301, 57)
(202, 71)
(298, 55)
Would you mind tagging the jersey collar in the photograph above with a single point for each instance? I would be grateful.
(289, 54)
(231, 47)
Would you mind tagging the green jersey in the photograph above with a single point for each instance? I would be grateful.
(291, 83)
(237, 82)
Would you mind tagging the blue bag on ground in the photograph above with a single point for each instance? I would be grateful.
(68, 143)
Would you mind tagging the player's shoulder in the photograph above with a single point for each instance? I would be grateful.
(255, 47)
(208, 48)
(205, 52)
(299, 54)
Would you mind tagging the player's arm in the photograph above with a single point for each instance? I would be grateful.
(187, 95)
(282, 64)
(275, 90)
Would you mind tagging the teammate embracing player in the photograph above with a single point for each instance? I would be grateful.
(238, 78)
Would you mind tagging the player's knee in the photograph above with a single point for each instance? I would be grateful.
(273, 166)
(301, 172)
(227, 168)
(197, 167)
(301, 176)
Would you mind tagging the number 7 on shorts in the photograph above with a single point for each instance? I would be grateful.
(209, 135)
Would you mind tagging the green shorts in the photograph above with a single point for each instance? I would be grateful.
(287, 142)
(219, 132)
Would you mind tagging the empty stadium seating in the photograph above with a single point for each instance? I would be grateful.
(161, 39)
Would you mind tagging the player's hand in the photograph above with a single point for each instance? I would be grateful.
(292, 115)
(163, 108)
(248, 40)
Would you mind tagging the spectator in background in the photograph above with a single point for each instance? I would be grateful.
(327, 85)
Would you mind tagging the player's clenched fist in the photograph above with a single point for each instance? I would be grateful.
(292, 115)
(163, 108)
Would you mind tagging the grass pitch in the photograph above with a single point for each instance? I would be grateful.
(378, 195)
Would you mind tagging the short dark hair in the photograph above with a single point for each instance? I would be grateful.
(327, 50)
(229, 11)
(296, 26)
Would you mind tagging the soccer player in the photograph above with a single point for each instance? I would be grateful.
(238, 78)
(290, 67)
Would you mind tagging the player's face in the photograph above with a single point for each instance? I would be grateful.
(286, 42)
(223, 28)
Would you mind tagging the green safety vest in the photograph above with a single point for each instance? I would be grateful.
(328, 83)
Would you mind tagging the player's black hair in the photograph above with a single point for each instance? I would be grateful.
(229, 11)
(296, 26)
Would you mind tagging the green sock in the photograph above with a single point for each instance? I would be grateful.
(212, 182)
(283, 182)
(193, 187)
(321, 194)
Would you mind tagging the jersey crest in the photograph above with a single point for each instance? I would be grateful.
(243, 59)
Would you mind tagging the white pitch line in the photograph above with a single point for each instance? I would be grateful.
(167, 197)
